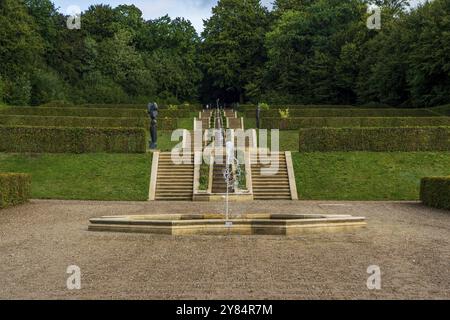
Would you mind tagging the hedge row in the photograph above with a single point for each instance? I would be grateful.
(143, 106)
(192, 107)
(72, 140)
(374, 139)
(442, 110)
(177, 114)
(81, 122)
(15, 188)
(95, 122)
(299, 113)
(252, 107)
(435, 192)
(342, 122)
(75, 112)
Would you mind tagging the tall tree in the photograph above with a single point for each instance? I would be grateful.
(20, 50)
(233, 52)
(308, 49)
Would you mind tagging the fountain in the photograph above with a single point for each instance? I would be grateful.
(226, 224)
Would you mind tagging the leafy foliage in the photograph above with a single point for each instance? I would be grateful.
(15, 188)
(435, 192)
(301, 52)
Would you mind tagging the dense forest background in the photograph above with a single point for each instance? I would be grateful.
(301, 52)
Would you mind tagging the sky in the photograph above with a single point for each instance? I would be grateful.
(194, 10)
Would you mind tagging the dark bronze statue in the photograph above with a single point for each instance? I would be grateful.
(152, 110)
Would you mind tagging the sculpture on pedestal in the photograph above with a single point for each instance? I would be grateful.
(152, 110)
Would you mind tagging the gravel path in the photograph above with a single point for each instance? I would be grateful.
(38, 241)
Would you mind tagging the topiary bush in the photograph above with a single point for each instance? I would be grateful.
(72, 140)
(346, 112)
(15, 188)
(75, 112)
(435, 192)
(374, 139)
(342, 122)
(80, 122)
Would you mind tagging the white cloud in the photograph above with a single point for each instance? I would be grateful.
(193, 10)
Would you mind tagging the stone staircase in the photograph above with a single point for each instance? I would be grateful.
(174, 182)
(271, 187)
(219, 185)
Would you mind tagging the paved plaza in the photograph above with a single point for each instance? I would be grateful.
(408, 241)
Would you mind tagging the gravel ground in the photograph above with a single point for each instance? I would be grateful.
(39, 240)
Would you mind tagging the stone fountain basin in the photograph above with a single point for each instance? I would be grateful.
(215, 224)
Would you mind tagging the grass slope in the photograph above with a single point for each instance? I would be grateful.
(366, 175)
(83, 177)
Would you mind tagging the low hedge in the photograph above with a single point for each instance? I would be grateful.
(345, 112)
(435, 192)
(342, 122)
(193, 107)
(94, 122)
(442, 110)
(252, 107)
(182, 113)
(143, 106)
(75, 112)
(72, 140)
(82, 122)
(15, 188)
(374, 139)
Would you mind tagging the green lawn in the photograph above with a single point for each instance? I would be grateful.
(186, 123)
(366, 175)
(288, 140)
(83, 177)
(164, 141)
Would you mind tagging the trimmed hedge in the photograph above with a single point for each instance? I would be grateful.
(250, 107)
(345, 112)
(142, 106)
(192, 107)
(182, 113)
(374, 139)
(442, 110)
(75, 112)
(72, 140)
(342, 122)
(15, 188)
(95, 122)
(435, 192)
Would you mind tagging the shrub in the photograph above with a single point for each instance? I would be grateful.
(97, 88)
(435, 192)
(284, 114)
(142, 106)
(342, 122)
(15, 188)
(264, 106)
(57, 104)
(347, 112)
(442, 110)
(176, 114)
(375, 139)
(75, 112)
(172, 108)
(18, 92)
(72, 140)
(47, 86)
(81, 122)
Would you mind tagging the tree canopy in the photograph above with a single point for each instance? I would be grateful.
(299, 52)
